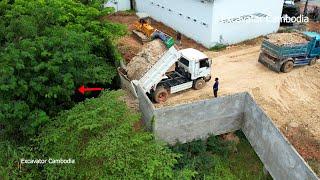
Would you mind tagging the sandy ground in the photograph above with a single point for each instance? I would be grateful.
(292, 100)
(290, 97)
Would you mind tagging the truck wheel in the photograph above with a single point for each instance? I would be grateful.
(199, 84)
(287, 67)
(313, 62)
(161, 95)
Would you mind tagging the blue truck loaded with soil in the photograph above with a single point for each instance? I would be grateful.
(283, 56)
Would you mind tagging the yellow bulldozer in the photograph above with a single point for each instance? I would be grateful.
(144, 32)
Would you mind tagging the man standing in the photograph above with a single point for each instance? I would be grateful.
(216, 87)
(179, 36)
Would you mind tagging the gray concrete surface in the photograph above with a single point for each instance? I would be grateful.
(146, 107)
(127, 84)
(276, 153)
(196, 120)
(184, 123)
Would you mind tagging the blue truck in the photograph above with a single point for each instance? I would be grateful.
(284, 58)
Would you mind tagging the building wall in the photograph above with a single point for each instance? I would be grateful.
(193, 18)
(227, 30)
(118, 5)
(209, 27)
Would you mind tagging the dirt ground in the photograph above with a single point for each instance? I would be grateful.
(313, 26)
(129, 46)
(291, 98)
(286, 97)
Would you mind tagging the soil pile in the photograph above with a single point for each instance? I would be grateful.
(145, 59)
(287, 39)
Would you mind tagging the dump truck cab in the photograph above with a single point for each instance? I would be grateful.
(195, 64)
(315, 50)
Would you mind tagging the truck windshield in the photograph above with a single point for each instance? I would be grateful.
(317, 44)
(184, 61)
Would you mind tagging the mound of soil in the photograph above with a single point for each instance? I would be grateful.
(287, 39)
(145, 59)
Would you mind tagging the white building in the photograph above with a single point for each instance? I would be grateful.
(118, 5)
(211, 22)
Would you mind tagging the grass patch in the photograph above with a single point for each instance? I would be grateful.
(216, 158)
(218, 47)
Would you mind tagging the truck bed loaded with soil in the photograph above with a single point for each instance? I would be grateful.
(161, 71)
(283, 51)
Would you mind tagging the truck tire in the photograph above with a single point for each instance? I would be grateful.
(199, 84)
(287, 67)
(207, 79)
(160, 95)
(313, 62)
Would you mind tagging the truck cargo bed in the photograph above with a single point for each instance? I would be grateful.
(156, 73)
(282, 52)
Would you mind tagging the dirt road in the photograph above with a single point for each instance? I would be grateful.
(292, 100)
(287, 98)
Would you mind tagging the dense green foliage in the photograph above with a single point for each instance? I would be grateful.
(215, 158)
(47, 50)
(102, 140)
(99, 135)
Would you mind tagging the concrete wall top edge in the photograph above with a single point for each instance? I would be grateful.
(195, 103)
(270, 131)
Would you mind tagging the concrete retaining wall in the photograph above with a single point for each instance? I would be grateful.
(127, 84)
(275, 151)
(226, 114)
(184, 123)
(146, 107)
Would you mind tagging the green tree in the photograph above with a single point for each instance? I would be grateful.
(47, 50)
(99, 135)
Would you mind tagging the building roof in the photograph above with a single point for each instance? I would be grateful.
(193, 54)
(313, 35)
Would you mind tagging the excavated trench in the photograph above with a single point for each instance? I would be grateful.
(197, 120)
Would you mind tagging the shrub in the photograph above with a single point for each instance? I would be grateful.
(218, 47)
(99, 135)
(47, 50)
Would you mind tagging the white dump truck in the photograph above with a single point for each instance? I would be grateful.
(192, 70)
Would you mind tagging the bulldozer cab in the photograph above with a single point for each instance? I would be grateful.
(144, 21)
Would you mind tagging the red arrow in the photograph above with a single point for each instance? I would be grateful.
(83, 89)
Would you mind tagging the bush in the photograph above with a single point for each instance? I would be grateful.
(218, 47)
(218, 146)
(99, 135)
(48, 49)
